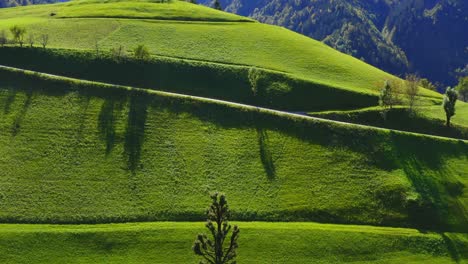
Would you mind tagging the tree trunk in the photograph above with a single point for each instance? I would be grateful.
(448, 121)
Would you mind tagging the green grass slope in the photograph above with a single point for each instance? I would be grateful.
(259, 243)
(173, 34)
(86, 153)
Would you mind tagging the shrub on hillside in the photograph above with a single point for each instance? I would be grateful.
(141, 52)
(411, 91)
(462, 88)
(389, 96)
(44, 40)
(118, 54)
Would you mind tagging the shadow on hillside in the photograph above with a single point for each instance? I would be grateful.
(135, 131)
(10, 98)
(110, 111)
(438, 190)
(381, 149)
(16, 126)
(452, 248)
(265, 154)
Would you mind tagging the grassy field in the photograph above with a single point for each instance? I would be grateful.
(239, 43)
(90, 155)
(167, 242)
(93, 155)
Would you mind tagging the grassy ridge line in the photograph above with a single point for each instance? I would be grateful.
(127, 9)
(211, 101)
(261, 242)
(156, 18)
(229, 82)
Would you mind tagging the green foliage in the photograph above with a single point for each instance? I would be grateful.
(450, 100)
(462, 88)
(213, 251)
(425, 83)
(18, 34)
(411, 91)
(141, 53)
(389, 96)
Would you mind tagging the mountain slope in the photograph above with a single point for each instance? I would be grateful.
(427, 37)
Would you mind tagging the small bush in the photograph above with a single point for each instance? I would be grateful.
(141, 52)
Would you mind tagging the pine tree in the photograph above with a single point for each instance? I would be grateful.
(213, 251)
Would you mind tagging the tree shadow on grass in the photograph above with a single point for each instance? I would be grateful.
(10, 98)
(16, 126)
(266, 154)
(135, 131)
(108, 115)
(451, 247)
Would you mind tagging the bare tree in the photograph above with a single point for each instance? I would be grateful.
(31, 40)
(44, 40)
(18, 34)
(411, 91)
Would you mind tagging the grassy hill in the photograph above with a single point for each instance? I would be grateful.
(170, 32)
(136, 155)
(90, 154)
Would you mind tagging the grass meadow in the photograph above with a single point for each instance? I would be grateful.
(260, 242)
(102, 173)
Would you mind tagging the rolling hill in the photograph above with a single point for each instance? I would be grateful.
(92, 146)
(387, 34)
(244, 43)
